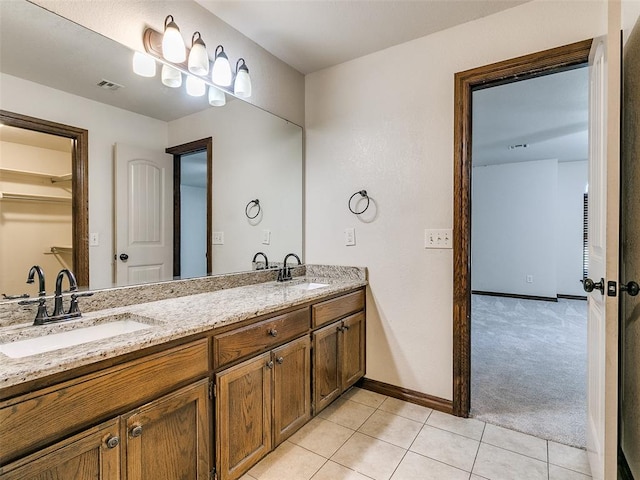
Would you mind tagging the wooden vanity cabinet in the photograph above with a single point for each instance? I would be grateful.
(260, 403)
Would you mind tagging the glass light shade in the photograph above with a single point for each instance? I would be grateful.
(216, 97)
(198, 58)
(195, 86)
(242, 84)
(144, 65)
(173, 48)
(221, 71)
(171, 77)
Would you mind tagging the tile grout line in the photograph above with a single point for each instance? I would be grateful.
(478, 451)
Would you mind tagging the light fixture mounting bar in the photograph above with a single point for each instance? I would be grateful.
(152, 41)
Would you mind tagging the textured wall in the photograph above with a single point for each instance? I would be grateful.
(384, 122)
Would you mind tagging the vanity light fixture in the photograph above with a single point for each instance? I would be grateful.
(144, 65)
(198, 57)
(168, 48)
(173, 47)
(195, 86)
(171, 77)
(221, 72)
(216, 97)
(242, 84)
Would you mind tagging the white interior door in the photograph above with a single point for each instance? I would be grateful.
(604, 164)
(143, 215)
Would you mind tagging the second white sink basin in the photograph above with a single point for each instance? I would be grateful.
(309, 286)
(78, 336)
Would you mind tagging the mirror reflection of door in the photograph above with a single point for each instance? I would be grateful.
(35, 208)
(193, 215)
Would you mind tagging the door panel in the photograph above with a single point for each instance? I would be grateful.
(326, 371)
(630, 256)
(353, 351)
(143, 215)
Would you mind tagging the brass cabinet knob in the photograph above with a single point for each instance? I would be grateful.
(113, 441)
(136, 431)
(273, 332)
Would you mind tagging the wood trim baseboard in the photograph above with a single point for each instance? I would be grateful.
(407, 395)
(515, 295)
(572, 297)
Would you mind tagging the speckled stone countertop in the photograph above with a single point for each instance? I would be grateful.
(169, 319)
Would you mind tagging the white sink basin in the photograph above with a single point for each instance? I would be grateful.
(309, 286)
(78, 336)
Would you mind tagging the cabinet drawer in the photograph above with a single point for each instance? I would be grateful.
(261, 336)
(335, 308)
(36, 419)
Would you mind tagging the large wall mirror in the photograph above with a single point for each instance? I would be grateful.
(220, 159)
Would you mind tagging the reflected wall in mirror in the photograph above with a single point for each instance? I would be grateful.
(51, 69)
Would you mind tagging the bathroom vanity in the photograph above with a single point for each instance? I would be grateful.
(216, 382)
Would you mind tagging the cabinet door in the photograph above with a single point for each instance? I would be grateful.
(169, 437)
(352, 349)
(243, 416)
(326, 371)
(91, 455)
(292, 388)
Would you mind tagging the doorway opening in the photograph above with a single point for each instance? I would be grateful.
(527, 67)
(192, 209)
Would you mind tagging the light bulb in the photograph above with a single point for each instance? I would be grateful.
(171, 77)
(195, 86)
(242, 84)
(173, 48)
(144, 65)
(221, 71)
(216, 97)
(198, 58)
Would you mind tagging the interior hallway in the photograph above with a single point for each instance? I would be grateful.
(365, 435)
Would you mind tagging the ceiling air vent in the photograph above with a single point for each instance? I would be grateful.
(108, 85)
(519, 145)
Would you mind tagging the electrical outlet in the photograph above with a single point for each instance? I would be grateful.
(94, 239)
(218, 238)
(266, 237)
(529, 278)
(438, 238)
(349, 236)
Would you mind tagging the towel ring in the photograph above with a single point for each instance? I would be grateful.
(363, 194)
(250, 205)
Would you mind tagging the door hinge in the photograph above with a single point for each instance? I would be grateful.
(212, 389)
(213, 475)
(612, 288)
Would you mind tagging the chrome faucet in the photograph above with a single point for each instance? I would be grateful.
(285, 272)
(73, 286)
(266, 261)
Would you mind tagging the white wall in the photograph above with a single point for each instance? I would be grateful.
(107, 125)
(513, 228)
(277, 87)
(384, 122)
(572, 181)
(264, 165)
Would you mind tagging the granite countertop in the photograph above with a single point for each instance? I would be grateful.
(169, 319)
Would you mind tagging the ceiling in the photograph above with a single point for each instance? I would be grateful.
(548, 114)
(311, 35)
(34, 139)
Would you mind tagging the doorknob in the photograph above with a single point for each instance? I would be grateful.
(124, 257)
(632, 288)
(589, 285)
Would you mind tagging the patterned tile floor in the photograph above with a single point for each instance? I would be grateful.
(365, 435)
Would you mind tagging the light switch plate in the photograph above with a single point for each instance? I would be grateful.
(438, 238)
(218, 238)
(94, 239)
(266, 237)
(350, 236)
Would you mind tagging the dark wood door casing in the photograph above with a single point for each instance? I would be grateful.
(528, 66)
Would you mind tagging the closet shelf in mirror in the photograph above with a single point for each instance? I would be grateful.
(25, 173)
(60, 249)
(25, 197)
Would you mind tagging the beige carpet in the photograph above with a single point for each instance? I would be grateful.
(529, 366)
